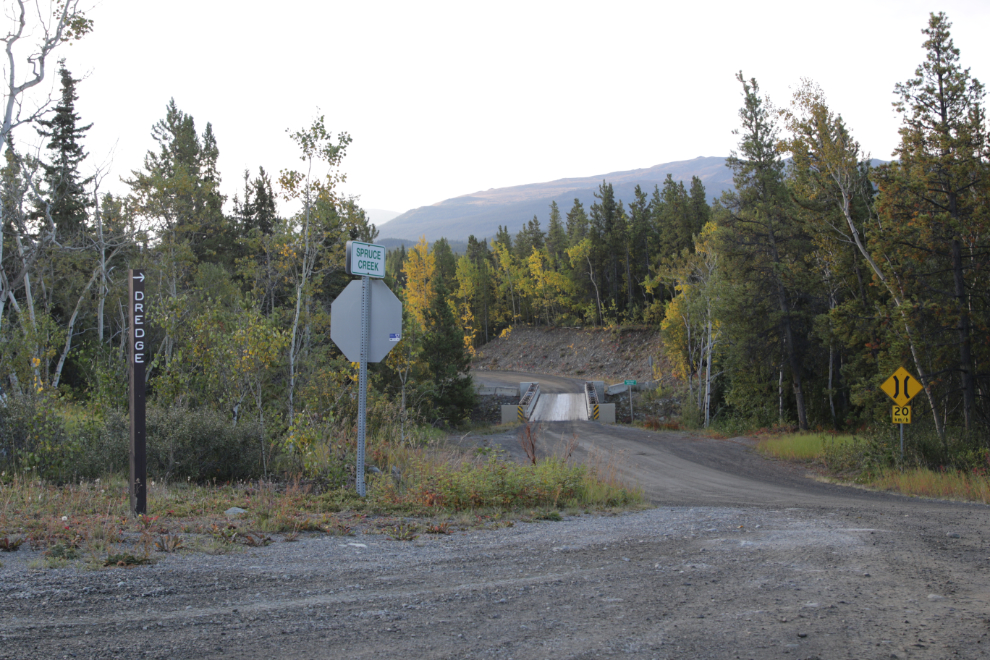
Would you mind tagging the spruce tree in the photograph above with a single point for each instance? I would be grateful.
(523, 245)
(503, 237)
(640, 239)
(765, 254)
(263, 211)
(674, 220)
(446, 261)
(577, 223)
(66, 190)
(215, 233)
(447, 359)
(699, 208)
(395, 261)
(556, 236)
(608, 235)
(933, 201)
(536, 236)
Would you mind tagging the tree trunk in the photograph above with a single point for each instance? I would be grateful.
(831, 394)
(963, 327)
(261, 429)
(708, 374)
(69, 329)
(293, 352)
(629, 283)
(780, 393)
(598, 298)
(795, 373)
(101, 246)
(792, 357)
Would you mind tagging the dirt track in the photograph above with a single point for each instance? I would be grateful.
(742, 558)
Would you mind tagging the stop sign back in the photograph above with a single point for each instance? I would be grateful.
(385, 321)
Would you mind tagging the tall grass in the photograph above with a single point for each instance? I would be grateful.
(950, 484)
(444, 480)
(931, 467)
(802, 446)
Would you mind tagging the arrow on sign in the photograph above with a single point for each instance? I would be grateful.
(901, 387)
(140, 277)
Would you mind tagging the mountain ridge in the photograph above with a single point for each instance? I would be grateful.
(481, 212)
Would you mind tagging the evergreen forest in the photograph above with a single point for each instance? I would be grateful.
(786, 301)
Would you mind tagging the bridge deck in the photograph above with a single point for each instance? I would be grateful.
(560, 408)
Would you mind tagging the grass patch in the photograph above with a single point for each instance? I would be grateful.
(945, 484)
(493, 483)
(873, 461)
(802, 446)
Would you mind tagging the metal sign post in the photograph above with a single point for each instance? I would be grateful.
(901, 387)
(363, 379)
(365, 323)
(137, 311)
(629, 384)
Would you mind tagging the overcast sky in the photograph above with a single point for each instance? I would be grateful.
(444, 99)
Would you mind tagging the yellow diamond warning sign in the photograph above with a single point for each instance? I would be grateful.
(901, 387)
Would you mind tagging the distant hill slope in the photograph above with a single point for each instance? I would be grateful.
(482, 212)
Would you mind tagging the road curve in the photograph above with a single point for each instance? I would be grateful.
(680, 468)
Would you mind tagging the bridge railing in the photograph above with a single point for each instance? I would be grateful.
(528, 401)
(591, 400)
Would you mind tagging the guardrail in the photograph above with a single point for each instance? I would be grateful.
(591, 400)
(528, 401)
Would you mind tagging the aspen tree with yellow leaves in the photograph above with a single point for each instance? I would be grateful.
(419, 270)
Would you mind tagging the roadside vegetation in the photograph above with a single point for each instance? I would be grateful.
(417, 485)
(873, 459)
(824, 271)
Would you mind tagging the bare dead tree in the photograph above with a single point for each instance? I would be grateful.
(40, 28)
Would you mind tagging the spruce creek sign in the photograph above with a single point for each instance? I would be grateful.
(137, 340)
(365, 323)
(365, 259)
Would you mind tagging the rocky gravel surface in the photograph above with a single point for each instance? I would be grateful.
(671, 582)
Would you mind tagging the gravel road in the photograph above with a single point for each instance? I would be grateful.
(740, 558)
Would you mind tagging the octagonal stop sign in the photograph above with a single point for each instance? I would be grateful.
(384, 327)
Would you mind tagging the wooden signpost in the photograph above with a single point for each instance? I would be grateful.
(901, 387)
(137, 310)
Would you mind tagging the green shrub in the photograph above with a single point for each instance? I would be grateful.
(201, 445)
(33, 437)
(39, 434)
(105, 445)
